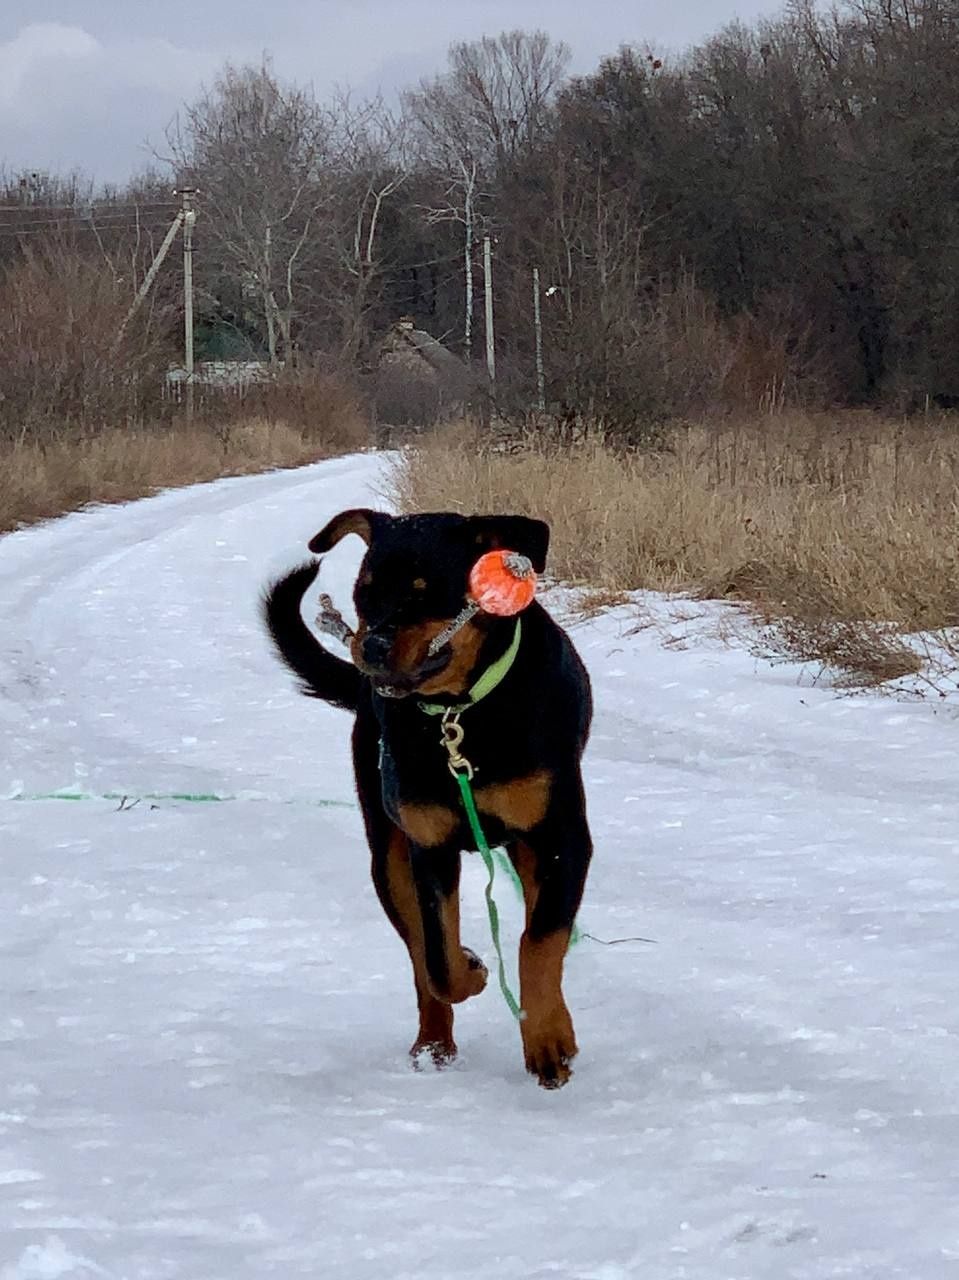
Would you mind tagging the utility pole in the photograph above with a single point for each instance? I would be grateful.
(538, 326)
(189, 218)
(269, 301)
(150, 276)
(490, 344)
(469, 186)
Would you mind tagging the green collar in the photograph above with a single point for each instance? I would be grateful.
(487, 682)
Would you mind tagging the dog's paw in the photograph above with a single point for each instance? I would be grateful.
(438, 1053)
(549, 1049)
(475, 977)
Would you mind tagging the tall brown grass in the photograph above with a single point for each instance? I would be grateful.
(814, 518)
(68, 355)
(41, 480)
(323, 400)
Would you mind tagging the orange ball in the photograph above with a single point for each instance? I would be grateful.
(502, 582)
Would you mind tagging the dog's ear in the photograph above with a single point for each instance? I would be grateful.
(358, 520)
(514, 533)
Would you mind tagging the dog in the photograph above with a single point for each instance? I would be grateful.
(524, 738)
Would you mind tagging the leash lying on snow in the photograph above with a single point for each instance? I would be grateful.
(128, 799)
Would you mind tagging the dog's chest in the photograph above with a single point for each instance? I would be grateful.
(414, 764)
(430, 813)
(414, 769)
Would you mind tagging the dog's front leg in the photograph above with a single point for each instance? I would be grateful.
(396, 889)
(455, 972)
(552, 862)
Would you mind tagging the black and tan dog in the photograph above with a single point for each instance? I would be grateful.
(524, 739)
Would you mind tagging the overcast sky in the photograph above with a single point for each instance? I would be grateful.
(91, 83)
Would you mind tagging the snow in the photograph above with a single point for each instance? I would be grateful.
(205, 1016)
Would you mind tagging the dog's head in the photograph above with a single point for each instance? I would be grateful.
(414, 581)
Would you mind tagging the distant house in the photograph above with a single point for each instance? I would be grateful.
(230, 375)
(418, 379)
(220, 377)
(415, 349)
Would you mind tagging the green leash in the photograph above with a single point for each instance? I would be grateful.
(482, 844)
(462, 771)
(187, 797)
(183, 797)
(463, 781)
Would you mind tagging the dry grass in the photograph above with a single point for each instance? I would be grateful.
(37, 481)
(864, 653)
(845, 518)
(596, 600)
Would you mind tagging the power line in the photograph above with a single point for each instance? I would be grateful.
(145, 218)
(101, 211)
(55, 229)
(11, 233)
(103, 219)
(90, 215)
(399, 265)
(90, 204)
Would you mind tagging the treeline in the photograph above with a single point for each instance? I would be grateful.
(769, 219)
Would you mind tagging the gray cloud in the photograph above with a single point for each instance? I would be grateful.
(92, 83)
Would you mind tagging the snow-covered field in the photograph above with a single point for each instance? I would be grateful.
(205, 1016)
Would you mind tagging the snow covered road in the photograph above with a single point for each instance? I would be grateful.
(205, 1016)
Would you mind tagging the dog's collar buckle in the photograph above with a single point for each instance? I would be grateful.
(451, 734)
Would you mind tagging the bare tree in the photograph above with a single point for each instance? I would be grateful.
(470, 122)
(254, 149)
(459, 205)
(494, 99)
(372, 166)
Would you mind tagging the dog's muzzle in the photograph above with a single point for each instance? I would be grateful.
(376, 648)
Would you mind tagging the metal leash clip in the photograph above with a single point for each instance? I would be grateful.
(451, 732)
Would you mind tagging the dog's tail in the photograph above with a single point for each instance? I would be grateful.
(322, 675)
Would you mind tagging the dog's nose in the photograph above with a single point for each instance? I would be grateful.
(376, 649)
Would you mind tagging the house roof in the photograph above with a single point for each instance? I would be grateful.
(425, 345)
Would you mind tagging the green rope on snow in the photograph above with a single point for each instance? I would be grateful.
(490, 856)
(186, 797)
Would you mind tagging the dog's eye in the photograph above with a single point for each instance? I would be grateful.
(419, 584)
(366, 580)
